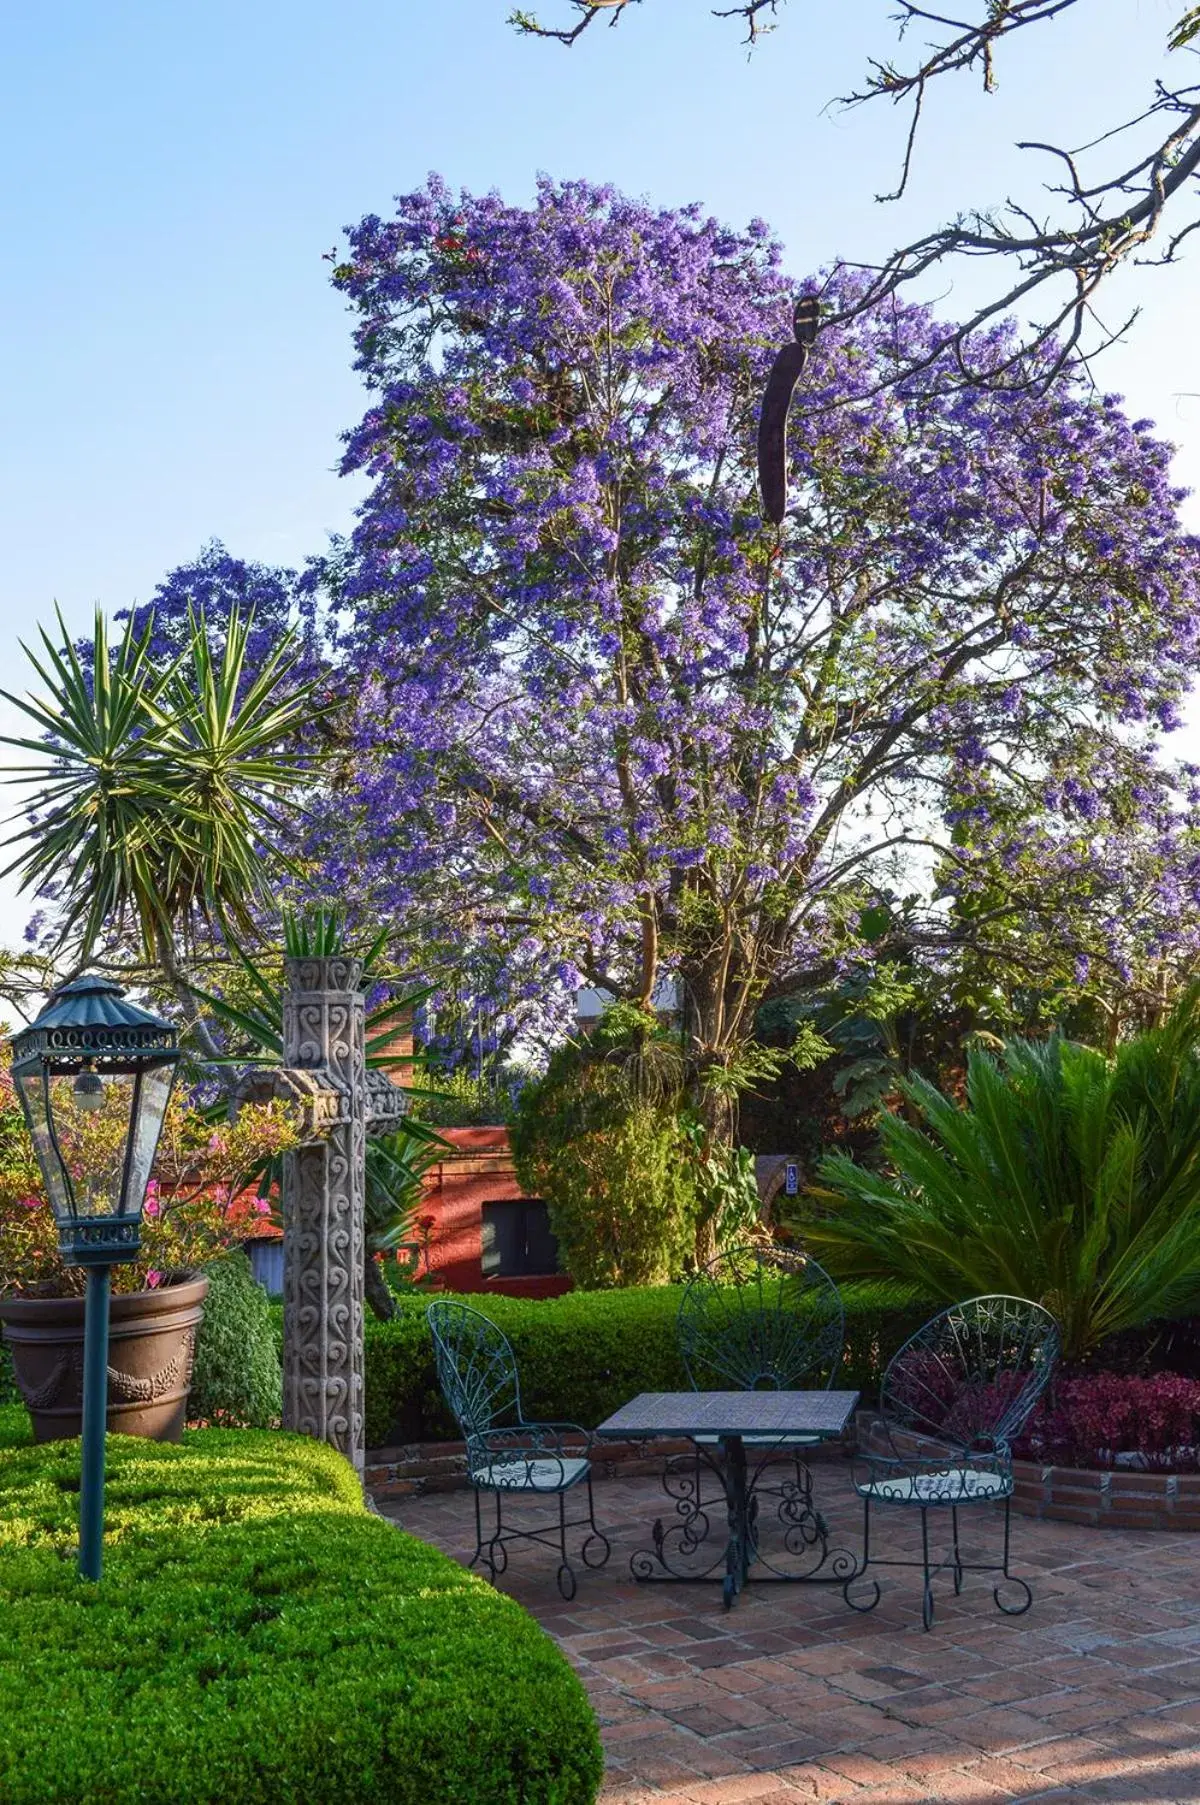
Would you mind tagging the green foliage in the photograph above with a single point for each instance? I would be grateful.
(584, 1354)
(157, 782)
(458, 1100)
(236, 1380)
(613, 1168)
(1069, 1178)
(259, 1636)
(726, 1188)
(1186, 31)
(15, 1429)
(753, 1064)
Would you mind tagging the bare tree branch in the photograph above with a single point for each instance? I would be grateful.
(1099, 219)
(753, 12)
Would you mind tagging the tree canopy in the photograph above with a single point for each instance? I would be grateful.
(609, 726)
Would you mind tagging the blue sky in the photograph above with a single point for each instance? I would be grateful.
(173, 363)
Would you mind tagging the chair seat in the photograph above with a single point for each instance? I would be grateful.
(519, 1475)
(762, 1441)
(949, 1485)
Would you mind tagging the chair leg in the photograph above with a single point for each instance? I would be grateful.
(496, 1554)
(927, 1593)
(1010, 1579)
(478, 1554)
(958, 1566)
(860, 1571)
(597, 1535)
(566, 1578)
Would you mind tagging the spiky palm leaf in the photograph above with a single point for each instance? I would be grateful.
(157, 784)
(1068, 1178)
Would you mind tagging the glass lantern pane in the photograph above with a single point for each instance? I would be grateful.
(91, 1114)
(151, 1108)
(31, 1090)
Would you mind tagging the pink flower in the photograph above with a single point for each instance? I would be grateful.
(153, 1279)
(262, 1205)
(152, 1206)
(31, 1203)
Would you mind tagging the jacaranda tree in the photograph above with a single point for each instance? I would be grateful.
(608, 727)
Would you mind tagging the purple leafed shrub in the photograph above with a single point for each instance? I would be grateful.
(1097, 1418)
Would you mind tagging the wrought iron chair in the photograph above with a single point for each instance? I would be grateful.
(952, 1401)
(506, 1455)
(757, 1318)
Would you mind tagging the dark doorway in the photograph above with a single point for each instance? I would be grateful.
(517, 1241)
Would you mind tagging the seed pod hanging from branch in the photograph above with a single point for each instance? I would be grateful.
(777, 400)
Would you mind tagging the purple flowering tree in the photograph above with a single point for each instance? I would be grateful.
(609, 728)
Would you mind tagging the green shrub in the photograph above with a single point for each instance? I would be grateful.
(615, 1170)
(583, 1355)
(237, 1380)
(15, 1429)
(1068, 1178)
(257, 1636)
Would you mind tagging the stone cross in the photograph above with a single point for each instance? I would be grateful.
(325, 1077)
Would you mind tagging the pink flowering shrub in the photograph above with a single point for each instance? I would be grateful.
(199, 1202)
(1089, 1420)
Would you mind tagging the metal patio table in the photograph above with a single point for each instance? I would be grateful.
(770, 1422)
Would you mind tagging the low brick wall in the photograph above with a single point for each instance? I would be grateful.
(1121, 1499)
(441, 1466)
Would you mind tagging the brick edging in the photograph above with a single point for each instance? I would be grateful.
(1118, 1499)
(441, 1466)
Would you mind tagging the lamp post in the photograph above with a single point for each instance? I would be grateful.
(94, 1075)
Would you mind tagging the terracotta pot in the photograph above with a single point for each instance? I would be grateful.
(152, 1341)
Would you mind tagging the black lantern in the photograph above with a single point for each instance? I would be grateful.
(94, 1076)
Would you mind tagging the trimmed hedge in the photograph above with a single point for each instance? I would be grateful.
(586, 1353)
(237, 1381)
(15, 1429)
(259, 1637)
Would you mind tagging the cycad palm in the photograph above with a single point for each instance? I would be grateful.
(1068, 1177)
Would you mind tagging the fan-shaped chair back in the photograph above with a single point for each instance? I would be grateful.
(972, 1375)
(476, 1368)
(762, 1318)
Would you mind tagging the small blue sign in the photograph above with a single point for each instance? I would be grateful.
(791, 1179)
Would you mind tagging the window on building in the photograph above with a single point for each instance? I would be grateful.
(517, 1241)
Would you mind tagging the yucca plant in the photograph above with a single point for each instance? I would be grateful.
(157, 783)
(1068, 1177)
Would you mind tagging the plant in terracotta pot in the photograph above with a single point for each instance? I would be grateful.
(199, 1202)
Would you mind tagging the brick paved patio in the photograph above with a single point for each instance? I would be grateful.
(1095, 1694)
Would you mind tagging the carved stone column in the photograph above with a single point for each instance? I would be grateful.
(323, 1198)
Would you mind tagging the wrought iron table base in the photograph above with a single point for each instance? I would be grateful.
(805, 1528)
(491, 1550)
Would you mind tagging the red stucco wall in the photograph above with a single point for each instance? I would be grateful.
(479, 1171)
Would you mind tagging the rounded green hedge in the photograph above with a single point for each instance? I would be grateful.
(237, 1382)
(258, 1636)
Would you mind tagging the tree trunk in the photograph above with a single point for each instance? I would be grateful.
(383, 1304)
(703, 1053)
(168, 960)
